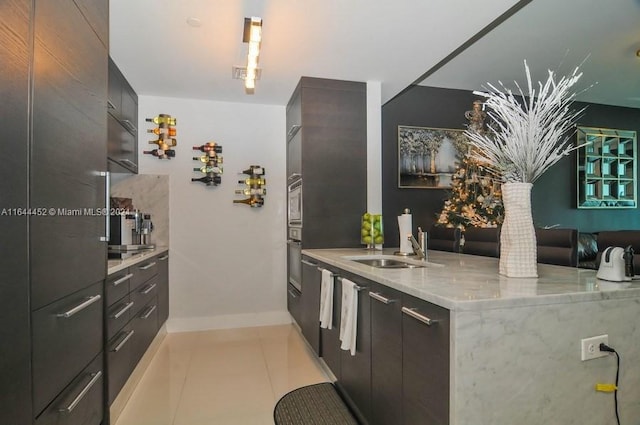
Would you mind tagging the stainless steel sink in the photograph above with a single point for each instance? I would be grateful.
(387, 263)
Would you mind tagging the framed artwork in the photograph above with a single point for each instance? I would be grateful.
(427, 156)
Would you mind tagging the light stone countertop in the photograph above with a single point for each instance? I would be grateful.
(115, 265)
(461, 282)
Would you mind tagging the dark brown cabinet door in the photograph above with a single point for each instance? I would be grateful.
(310, 317)
(68, 152)
(425, 362)
(15, 384)
(386, 355)
(356, 369)
(294, 302)
(163, 288)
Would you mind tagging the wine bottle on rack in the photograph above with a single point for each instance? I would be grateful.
(162, 119)
(209, 180)
(168, 153)
(168, 141)
(252, 191)
(160, 130)
(206, 158)
(254, 170)
(208, 147)
(253, 201)
(253, 182)
(209, 169)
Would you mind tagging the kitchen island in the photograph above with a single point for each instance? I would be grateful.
(514, 343)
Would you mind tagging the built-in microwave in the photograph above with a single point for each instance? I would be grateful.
(294, 212)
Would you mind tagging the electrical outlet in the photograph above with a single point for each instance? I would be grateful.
(591, 347)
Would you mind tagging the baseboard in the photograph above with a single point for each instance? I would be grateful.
(190, 324)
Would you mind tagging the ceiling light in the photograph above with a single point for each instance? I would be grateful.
(253, 35)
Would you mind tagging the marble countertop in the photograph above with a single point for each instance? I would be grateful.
(115, 265)
(468, 282)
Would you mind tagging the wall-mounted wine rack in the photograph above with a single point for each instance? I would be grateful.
(211, 160)
(254, 189)
(166, 132)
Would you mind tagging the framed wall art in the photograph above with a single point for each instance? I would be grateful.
(427, 156)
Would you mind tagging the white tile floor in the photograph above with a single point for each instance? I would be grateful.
(226, 377)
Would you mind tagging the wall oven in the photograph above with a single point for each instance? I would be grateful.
(294, 195)
(294, 260)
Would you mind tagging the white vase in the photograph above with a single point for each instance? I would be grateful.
(518, 251)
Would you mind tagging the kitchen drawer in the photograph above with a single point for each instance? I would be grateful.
(81, 402)
(143, 294)
(66, 336)
(119, 360)
(119, 315)
(117, 286)
(143, 271)
(294, 302)
(145, 325)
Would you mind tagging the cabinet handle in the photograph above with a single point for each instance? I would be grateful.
(294, 176)
(148, 289)
(379, 297)
(357, 287)
(293, 130)
(164, 257)
(122, 279)
(309, 263)
(129, 126)
(148, 266)
(110, 105)
(292, 293)
(107, 205)
(123, 311)
(413, 313)
(86, 303)
(129, 163)
(123, 342)
(94, 378)
(148, 312)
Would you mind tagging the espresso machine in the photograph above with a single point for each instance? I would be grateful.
(129, 233)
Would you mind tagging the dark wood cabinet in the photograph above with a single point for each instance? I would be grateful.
(294, 302)
(355, 377)
(386, 355)
(15, 337)
(122, 146)
(310, 317)
(425, 362)
(327, 135)
(163, 288)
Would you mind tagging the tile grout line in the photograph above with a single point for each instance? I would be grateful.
(184, 380)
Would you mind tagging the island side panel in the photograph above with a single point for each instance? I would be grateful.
(522, 365)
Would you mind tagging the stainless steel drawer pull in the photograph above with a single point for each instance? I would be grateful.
(148, 266)
(86, 303)
(293, 130)
(149, 311)
(123, 311)
(379, 297)
(424, 319)
(292, 293)
(357, 287)
(94, 378)
(122, 279)
(309, 263)
(123, 342)
(148, 289)
(164, 257)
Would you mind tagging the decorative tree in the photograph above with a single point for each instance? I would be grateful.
(475, 198)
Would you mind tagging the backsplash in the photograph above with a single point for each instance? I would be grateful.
(150, 194)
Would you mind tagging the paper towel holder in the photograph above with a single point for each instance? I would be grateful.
(399, 252)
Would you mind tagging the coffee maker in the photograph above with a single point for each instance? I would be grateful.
(129, 233)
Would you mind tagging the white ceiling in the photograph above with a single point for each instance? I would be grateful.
(558, 35)
(393, 42)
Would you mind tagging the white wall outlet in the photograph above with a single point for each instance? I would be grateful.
(591, 347)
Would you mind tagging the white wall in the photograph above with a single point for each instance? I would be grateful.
(228, 261)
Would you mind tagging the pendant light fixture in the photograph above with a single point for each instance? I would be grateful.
(253, 36)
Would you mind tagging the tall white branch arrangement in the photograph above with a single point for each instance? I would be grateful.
(529, 134)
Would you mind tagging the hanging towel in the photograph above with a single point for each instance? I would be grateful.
(326, 300)
(349, 316)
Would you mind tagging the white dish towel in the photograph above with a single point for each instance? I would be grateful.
(326, 300)
(349, 316)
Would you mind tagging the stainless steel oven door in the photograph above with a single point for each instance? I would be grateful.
(294, 212)
(294, 263)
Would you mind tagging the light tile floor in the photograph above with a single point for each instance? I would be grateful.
(226, 377)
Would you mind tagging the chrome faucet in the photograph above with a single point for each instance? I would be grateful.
(420, 249)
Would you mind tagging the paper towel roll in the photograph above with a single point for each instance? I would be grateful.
(405, 226)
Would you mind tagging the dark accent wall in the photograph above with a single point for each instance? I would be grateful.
(553, 196)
